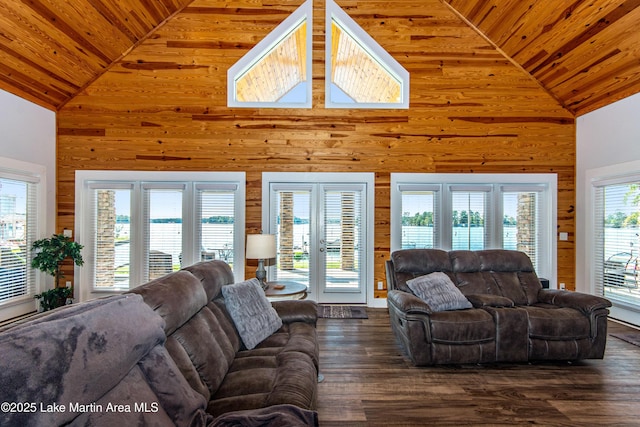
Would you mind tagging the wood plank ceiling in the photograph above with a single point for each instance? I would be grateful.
(51, 49)
(585, 53)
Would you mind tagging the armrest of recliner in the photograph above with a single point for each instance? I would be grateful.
(296, 311)
(488, 300)
(407, 302)
(585, 303)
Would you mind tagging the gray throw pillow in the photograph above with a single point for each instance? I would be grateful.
(252, 313)
(437, 290)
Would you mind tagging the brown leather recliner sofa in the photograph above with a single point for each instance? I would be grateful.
(511, 319)
(204, 343)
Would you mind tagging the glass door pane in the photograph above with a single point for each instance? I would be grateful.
(291, 222)
(319, 239)
(341, 242)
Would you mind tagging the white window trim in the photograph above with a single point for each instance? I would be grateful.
(305, 11)
(595, 177)
(393, 67)
(547, 267)
(83, 208)
(16, 169)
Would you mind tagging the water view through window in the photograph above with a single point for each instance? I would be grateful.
(160, 235)
(469, 224)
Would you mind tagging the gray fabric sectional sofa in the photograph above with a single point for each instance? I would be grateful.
(168, 353)
(508, 316)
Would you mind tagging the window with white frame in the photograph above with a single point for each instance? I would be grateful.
(21, 205)
(419, 215)
(616, 221)
(477, 211)
(277, 72)
(469, 225)
(155, 223)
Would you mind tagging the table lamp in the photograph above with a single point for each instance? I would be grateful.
(261, 247)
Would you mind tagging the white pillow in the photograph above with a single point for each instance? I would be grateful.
(252, 313)
(437, 290)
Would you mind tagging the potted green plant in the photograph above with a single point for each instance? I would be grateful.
(50, 254)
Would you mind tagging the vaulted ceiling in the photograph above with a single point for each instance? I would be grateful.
(585, 53)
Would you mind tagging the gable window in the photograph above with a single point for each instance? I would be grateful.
(359, 72)
(21, 219)
(276, 73)
(476, 211)
(155, 223)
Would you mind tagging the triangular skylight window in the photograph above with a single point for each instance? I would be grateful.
(359, 72)
(277, 71)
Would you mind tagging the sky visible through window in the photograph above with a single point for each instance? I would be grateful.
(15, 189)
(163, 205)
(13, 210)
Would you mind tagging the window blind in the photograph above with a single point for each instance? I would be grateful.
(342, 235)
(470, 224)
(157, 224)
(521, 226)
(216, 211)
(617, 241)
(162, 218)
(18, 231)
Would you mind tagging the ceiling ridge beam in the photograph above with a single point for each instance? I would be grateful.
(507, 57)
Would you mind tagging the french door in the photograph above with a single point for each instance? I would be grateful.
(321, 236)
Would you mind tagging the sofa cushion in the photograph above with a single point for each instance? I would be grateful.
(508, 283)
(176, 297)
(515, 262)
(411, 263)
(277, 415)
(260, 378)
(213, 275)
(462, 327)
(203, 351)
(251, 311)
(495, 272)
(437, 290)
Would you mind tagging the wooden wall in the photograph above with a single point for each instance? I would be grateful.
(163, 107)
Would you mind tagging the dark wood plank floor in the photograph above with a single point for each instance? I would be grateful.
(368, 382)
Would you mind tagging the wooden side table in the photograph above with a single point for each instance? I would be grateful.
(280, 290)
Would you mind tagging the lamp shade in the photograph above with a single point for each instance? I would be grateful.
(261, 246)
